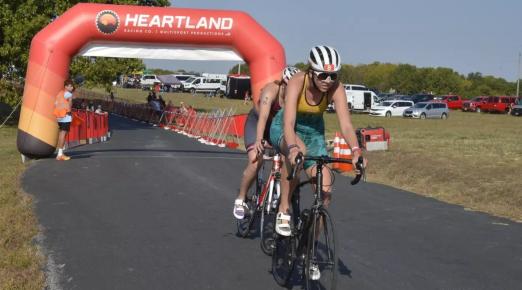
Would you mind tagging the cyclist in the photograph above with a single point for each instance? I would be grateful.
(307, 97)
(257, 127)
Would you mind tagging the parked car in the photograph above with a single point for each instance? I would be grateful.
(473, 105)
(386, 96)
(421, 98)
(516, 109)
(425, 110)
(500, 104)
(391, 108)
(453, 101)
(148, 81)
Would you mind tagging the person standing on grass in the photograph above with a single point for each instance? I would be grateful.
(62, 112)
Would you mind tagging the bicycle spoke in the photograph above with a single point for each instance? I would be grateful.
(321, 261)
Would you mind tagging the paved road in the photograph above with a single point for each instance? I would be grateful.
(152, 210)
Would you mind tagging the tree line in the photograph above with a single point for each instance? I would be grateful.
(409, 79)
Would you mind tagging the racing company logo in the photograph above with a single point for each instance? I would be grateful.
(107, 21)
(328, 67)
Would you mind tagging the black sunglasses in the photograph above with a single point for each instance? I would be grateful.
(324, 75)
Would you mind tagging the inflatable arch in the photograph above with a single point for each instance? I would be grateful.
(139, 32)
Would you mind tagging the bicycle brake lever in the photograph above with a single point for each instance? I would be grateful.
(360, 167)
(298, 161)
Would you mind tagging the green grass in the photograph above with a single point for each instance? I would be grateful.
(471, 159)
(20, 262)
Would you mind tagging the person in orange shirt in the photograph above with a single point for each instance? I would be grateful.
(63, 107)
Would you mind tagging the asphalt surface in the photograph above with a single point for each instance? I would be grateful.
(151, 209)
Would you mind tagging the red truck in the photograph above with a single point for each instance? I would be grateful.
(473, 105)
(500, 104)
(453, 101)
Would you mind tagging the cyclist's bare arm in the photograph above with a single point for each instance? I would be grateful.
(267, 98)
(292, 94)
(345, 121)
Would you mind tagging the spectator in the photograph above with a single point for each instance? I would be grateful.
(62, 112)
(112, 96)
(247, 97)
(149, 98)
(99, 110)
(182, 108)
(90, 107)
(169, 107)
(162, 102)
(156, 87)
(83, 105)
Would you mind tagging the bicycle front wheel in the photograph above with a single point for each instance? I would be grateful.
(268, 218)
(245, 225)
(321, 259)
(283, 259)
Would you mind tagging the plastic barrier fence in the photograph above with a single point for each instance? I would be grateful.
(88, 127)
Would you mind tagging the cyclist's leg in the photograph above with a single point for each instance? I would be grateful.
(250, 172)
(253, 165)
(283, 217)
(288, 187)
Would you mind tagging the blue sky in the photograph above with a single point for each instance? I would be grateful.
(467, 36)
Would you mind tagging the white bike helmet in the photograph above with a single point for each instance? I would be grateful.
(325, 59)
(288, 72)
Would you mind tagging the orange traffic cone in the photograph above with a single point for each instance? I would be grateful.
(345, 153)
(336, 150)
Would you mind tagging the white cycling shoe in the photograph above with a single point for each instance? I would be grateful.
(282, 226)
(240, 208)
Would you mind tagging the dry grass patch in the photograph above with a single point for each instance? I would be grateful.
(20, 262)
(474, 160)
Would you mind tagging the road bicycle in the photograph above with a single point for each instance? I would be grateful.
(309, 251)
(262, 201)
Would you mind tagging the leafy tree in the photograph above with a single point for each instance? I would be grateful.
(104, 70)
(302, 66)
(21, 20)
(160, 71)
(244, 69)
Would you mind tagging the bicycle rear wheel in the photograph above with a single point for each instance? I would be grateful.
(244, 226)
(321, 259)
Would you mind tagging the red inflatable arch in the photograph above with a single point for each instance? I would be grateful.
(141, 32)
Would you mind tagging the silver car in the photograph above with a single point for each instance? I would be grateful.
(425, 110)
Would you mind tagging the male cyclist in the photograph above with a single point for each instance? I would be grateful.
(257, 128)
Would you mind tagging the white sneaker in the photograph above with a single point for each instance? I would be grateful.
(315, 274)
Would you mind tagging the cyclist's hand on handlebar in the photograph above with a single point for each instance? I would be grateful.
(355, 157)
(294, 152)
(260, 147)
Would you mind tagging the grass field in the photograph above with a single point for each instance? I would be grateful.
(20, 262)
(471, 159)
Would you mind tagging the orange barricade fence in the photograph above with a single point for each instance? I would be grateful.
(219, 127)
(87, 127)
